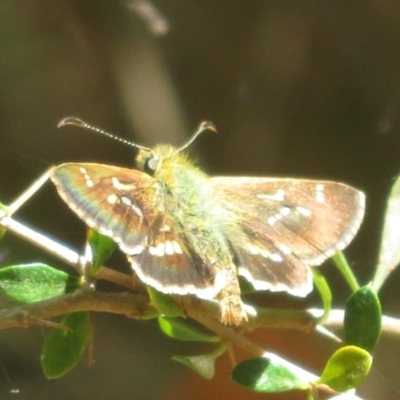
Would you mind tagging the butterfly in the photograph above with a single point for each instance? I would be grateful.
(186, 233)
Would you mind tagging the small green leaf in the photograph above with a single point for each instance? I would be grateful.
(246, 287)
(344, 268)
(267, 376)
(102, 248)
(362, 322)
(347, 368)
(29, 283)
(324, 291)
(204, 364)
(310, 395)
(178, 329)
(63, 349)
(164, 303)
(389, 253)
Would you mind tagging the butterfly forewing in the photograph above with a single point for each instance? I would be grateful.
(286, 225)
(117, 202)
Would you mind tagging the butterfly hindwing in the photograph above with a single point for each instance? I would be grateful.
(169, 264)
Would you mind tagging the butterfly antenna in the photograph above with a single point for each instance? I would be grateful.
(83, 124)
(204, 126)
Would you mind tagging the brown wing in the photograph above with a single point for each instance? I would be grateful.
(171, 266)
(282, 226)
(117, 202)
(123, 205)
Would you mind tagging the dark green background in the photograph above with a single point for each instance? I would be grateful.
(296, 88)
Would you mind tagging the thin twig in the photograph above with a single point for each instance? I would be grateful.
(65, 254)
(129, 304)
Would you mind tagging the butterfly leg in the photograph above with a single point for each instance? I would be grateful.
(232, 310)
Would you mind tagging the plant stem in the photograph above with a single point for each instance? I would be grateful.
(344, 268)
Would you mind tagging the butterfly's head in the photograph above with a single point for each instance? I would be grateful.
(148, 161)
(152, 160)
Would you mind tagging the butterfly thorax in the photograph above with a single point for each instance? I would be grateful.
(188, 202)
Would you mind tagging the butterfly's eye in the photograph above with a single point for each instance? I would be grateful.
(150, 164)
(147, 161)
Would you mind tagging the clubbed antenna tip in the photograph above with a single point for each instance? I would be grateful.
(204, 126)
(82, 124)
(72, 121)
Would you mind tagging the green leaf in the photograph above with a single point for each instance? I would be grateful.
(164, 303)
(204, 364)
(362, 322)
(344, 268)
(178, 329)
(102, 248)
(29, 283)
(324, 291)
(389, 254)
(310, 395)
(246, 287)
(265, 375)
(63, 349)
(347, 368)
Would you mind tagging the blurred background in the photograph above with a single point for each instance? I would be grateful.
(296, 89)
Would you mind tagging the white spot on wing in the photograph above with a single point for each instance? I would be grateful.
(169, 248)
(277, 217)
(285, 249)
(160, 249)
(157, 251)
(276, 257)
(126, 200)
(284, 211)
(165, 228)
(122, 186)
(304, 211)
(112, 198)
(177, 248)
(320, 196)
(278, 196)
(137, 210)
(265, 253)
(253, 249)
(88, 180)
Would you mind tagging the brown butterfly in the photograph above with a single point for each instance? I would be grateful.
(186, 233)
